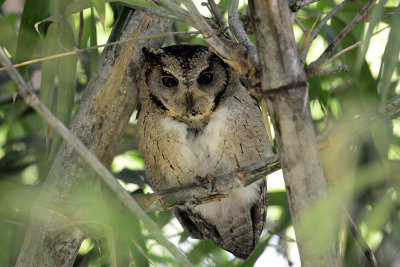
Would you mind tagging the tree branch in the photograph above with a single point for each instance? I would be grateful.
(237, 28)
(344, 68)
(208, 33)
(193, 194)
(218, 17)
(63, 247)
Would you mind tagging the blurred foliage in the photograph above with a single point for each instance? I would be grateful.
(363, 170)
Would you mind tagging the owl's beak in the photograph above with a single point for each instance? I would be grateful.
(189, 102)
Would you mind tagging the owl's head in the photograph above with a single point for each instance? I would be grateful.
(187, 82)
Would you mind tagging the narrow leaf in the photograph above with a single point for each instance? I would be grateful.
(67, 81)
(100, 7)
(77, 6)
(375, 17)
(94, 53)
(390, 56)
(34, 11)
(9, 37)
(141, 3)
(49, 67)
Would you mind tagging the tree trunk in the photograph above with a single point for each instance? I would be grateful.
(52, 238)
(285, 90)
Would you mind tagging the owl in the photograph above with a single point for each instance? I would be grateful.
(197, 120)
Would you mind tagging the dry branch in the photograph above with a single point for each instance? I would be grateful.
(41, 247)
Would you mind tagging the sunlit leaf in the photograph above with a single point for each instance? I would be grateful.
(141, 3)
(374, 18)
(77, 6)
(391, 55)
(100, 7)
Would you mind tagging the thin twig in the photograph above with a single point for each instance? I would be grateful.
(79, 51)
(208, 33)
(300, 4)
(316, 65)
(357, 44)
(359, 239)
(32, 100)
(318, 29)
(303, 29)
(237, 28)
(343, 68)
(175, 10)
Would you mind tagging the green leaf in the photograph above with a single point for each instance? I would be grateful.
(66, 37)
(9, 37)
(374, 19)
(141, 3)
(391, 55)
(34, 11)
(49, 67)
(94, 53)
(77, 6)
(67, 80)
(100, 7)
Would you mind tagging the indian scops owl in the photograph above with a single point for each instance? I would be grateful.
(197, 119)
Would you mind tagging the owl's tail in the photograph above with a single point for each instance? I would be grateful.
(235, 230)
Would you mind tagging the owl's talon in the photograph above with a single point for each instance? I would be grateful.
(205, 181)
(211, 180)
(241, 175)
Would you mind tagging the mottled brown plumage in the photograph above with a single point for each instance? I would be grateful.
(197, 119)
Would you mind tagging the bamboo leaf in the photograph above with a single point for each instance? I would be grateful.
(34, 11)
(100, 7)
(49, 68)
(374, 19)
(9, 37)
(141, 3)
(390, 56)
(77, 6)
(67, 80)
(94, 53)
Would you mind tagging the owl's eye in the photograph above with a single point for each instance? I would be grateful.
(205, 78)
(169, 81)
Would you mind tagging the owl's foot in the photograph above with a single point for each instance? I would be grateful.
(206, 182)
(241, 175)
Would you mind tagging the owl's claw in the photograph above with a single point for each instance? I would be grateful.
(205, 181)
(241, 175)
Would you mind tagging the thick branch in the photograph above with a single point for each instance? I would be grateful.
(193, 194)
(285, 90)
(101, 131)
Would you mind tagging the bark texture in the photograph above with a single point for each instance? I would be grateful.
(285, 90)
(52, 238)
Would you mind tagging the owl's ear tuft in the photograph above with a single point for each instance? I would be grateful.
(152, 55)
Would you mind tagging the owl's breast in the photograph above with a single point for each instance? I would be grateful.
(207, 151)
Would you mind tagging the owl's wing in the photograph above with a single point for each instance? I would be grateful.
(239, 234)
